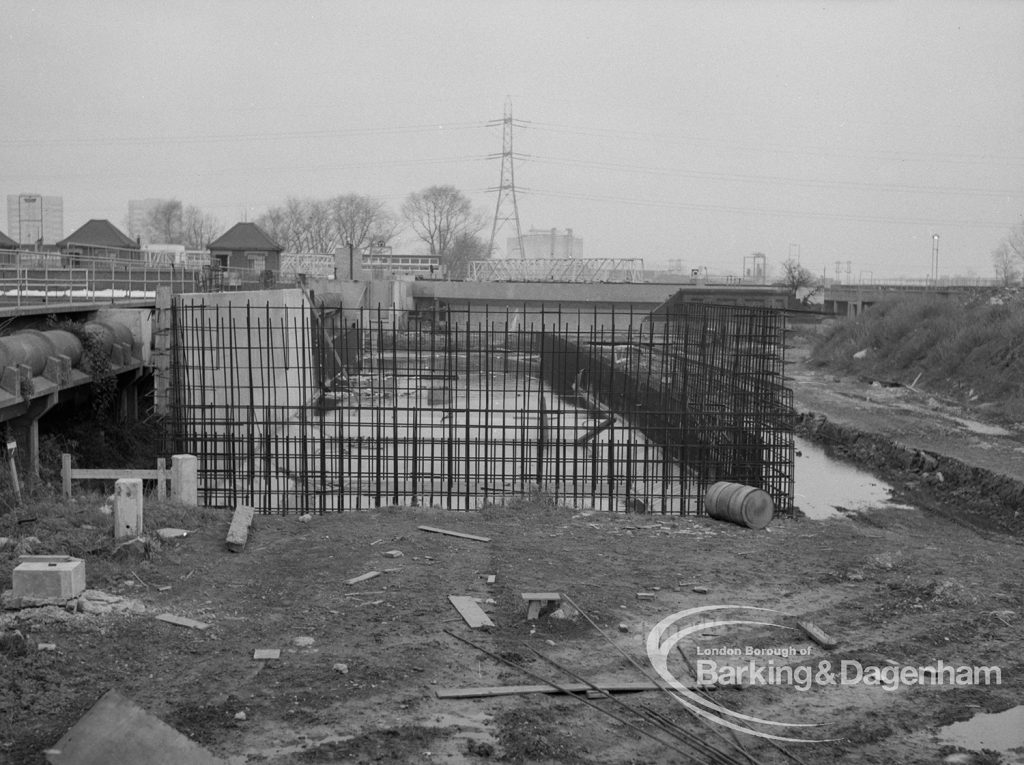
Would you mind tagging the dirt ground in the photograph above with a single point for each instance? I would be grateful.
(896, 586)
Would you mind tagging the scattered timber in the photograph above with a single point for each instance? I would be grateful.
(487, 691)
(818, 635)
(454, 534)
(471, 612)
(182, 621)
(362, 577)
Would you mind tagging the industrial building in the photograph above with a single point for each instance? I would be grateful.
(550, 243)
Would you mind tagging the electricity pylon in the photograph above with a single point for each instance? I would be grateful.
(506, 187)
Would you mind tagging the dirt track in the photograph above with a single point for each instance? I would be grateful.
(906, 586)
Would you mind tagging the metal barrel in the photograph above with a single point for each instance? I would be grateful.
(744, 505)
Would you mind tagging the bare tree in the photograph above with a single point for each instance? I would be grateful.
(163, 224)
(1006, 264)
(320, 235)
(361, 220)
(796, 278)
(274, 223)
(199, 228)
(1008, 256)
(465, 249)
(439, 215)
(315, 225)
(288, 225)
(295, 224)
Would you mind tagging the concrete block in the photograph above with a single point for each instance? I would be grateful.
(185, 479)
(62, 579)
(238, 532)
(127, 508)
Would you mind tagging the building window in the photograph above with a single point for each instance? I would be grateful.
(257, 261)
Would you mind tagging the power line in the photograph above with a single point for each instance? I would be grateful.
(232, 137)
(812, 183)
(254, 169)
(665, 204)
(822, 151)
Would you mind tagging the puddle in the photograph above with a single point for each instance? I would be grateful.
(981, 428)
(822, 484)
(1000, 732)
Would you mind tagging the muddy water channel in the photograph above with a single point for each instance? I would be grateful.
(825, 488)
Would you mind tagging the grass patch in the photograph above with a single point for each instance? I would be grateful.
(964, 347)
(84, 528)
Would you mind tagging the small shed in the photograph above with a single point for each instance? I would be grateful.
(248, 247)
(100, 238)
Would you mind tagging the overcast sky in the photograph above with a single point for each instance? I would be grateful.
(701, 131)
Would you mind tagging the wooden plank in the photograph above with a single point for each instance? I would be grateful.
(818, 635)
(112, 474)
(362, 577)
(182, 621)
(238, 532)
(470, 611)
(118, 730)
(454, 534)
(65, 474)
(68, 474)
(514, 690)
(262, 654)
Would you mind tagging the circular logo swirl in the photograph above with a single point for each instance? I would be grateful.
(659, 648)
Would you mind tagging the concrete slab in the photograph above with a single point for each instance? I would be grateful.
(118, 730)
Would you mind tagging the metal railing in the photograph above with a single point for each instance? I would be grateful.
(941, 283)
(557, 270)
(33, 278)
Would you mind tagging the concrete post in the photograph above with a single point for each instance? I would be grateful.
(127, 508)
(185, 479)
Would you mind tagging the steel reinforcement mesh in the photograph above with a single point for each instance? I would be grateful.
(299, 408)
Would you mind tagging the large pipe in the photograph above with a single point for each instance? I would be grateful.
(32, 347)
(108, 332)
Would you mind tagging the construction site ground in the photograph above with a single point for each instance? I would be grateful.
(899, 585)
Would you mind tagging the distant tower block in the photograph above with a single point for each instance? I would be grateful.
(507, 208)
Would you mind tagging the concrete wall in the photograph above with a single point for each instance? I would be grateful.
(638, 295)
(244, 361)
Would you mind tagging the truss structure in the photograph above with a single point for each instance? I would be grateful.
(557, 270)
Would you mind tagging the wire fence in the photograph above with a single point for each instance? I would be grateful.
(293, 408)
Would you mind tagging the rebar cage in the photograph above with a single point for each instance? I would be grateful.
(294, 407)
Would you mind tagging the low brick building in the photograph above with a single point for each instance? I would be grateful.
(245, 246)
